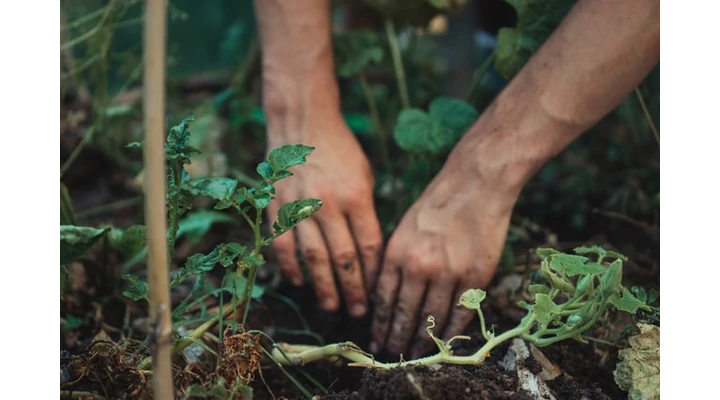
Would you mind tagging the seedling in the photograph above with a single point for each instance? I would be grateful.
(575, 293)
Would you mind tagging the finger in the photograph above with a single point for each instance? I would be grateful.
(285, 250)
(438, 303)
(384, 299)
(368, 238)
(405, 314)
(314, 252)
(345, 261)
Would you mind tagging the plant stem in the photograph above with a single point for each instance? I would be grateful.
(302, 354)
(252, 268)
(194, 336)
(647, 115)
(109, 207)
(479, 75)
(397, 62)
(375, 116)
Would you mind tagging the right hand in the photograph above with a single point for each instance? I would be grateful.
(343, 238)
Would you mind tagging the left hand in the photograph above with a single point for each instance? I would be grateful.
(449, 241)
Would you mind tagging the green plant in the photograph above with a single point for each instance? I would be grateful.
(248, 202)
(575, 293)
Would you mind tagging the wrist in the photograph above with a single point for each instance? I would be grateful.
(293, 103)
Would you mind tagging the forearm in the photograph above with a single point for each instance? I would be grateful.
(297, 67)
(596, 57)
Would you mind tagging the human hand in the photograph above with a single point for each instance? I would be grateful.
(449, 241)
(343, 238)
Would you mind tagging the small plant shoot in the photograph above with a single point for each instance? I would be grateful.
(576, 291)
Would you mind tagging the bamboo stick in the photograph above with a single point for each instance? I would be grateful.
(155, 189)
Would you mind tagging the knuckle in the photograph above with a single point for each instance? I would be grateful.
(344, 259)
(370, 249)
(314, 256)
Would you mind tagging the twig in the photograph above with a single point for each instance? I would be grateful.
(109, 207)
(155, 188)
(647, 115)
(87, 137)
(479, 75)
(397, 63)
(651, 230)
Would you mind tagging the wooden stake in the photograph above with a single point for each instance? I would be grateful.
(155, 189)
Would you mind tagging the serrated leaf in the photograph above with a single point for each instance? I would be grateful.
(217, 188)
(195, 225)
(638, 371)
(289, 155)
(472, 298)
(290, 214)
(594, 249)
(545, 252)
(197, 264)
(128, 242)
(625, 301)
(137, 289)
(454, 115)
(545, 309)
(259, 199)
(78, 240)
(572, 265)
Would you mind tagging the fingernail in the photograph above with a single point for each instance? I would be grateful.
(373, 347)
(358, 310)
(296, 281)
(328, 304)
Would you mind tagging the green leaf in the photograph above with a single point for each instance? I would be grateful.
(594, 249)
(413, 131)
(536, 20)
(535, 289)
(238, 282)
(472, 298)
(197, 264)
(290, 214)
(195, 225)
(454, 115)
(355, 50)
(75, 241)
(545, 252)
(137, 289)
(575, 265)
(259, 199)
(638, 369)
(215, 188)
(265, 170)
(545, 309)
(128, 242)
(627, 302)
(287, 156)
